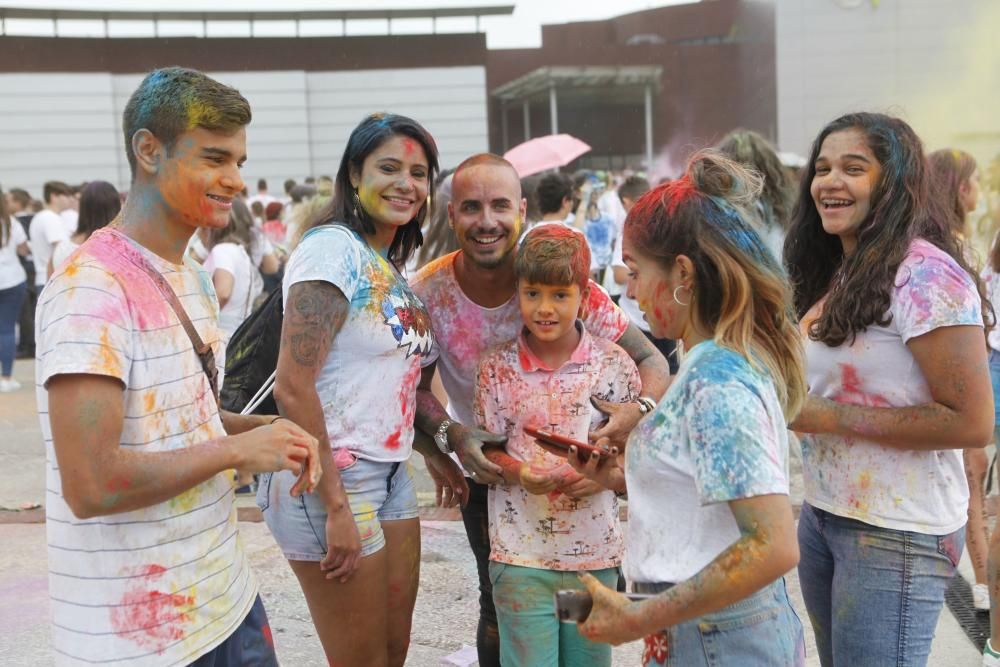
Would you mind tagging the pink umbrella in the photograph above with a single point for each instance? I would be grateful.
(541, 153)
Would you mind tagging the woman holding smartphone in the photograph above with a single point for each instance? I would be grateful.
(715, 449)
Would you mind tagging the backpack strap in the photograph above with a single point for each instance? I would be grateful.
(205, 354)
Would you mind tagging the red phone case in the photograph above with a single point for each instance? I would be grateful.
(583, 449)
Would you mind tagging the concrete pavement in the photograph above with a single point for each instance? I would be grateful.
(444, 619)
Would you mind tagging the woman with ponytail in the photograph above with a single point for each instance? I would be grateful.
(711, 532)
(899, 384)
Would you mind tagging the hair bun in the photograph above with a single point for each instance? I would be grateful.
(715, 175)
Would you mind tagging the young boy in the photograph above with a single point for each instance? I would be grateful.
(145, 561)
(546, 522)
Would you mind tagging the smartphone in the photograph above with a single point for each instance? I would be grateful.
(573, 606)
(583, 449)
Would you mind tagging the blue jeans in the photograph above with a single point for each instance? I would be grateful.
(10, 307)
(873, 594)
(995, 378)
(761, 630)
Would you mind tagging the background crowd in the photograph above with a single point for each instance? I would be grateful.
(846, 300)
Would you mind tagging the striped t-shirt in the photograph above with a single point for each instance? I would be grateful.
(164, 584)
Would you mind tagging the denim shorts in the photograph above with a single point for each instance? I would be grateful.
(761, 630)
(377, 491)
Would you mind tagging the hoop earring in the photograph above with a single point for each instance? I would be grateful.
(357, 204)
(678, 301)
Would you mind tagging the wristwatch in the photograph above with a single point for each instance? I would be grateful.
(646, 404)
(441, 437)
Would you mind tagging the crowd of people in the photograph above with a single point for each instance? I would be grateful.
(676, 341)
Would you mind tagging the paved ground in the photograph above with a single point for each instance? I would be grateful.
(444, 620)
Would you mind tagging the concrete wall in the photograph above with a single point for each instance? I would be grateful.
(936, 64)
(67, 126)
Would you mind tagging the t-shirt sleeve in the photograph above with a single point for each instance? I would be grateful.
(330, 255)
(223, 257)
(620, 378)
(84, 326)
(734, 445)
(17, 235)
(603, 318)
(483, 397)
(54, 229)
(932, 291)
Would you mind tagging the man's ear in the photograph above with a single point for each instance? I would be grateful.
(148, 150)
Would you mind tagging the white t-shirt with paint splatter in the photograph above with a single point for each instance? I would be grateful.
(465, 331)
(369, 380)
(920, 491)
(514, 389)
(718, 434)
(163, 584)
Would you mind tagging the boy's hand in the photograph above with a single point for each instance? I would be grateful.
(581, 487)
(468, 444)
(538, 482)
(282, 445)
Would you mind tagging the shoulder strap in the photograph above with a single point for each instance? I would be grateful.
(205, 354)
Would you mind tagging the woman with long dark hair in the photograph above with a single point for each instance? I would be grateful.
(711, 531)
(100, 203)
(353, 339)
(13, 288)
(893, 317)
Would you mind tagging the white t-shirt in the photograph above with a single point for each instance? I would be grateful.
(62, 252)
(368, 384)
(465, 331)
(11, 271)
(718, 434)
(626, 303)
(46, 229)
(164, 584)
(515, 389)
(247, 284)
(71, 217)
(261, 246)
(919, 491)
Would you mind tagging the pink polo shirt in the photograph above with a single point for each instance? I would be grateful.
(515, 389)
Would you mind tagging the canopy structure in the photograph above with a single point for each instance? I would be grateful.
(626, 84)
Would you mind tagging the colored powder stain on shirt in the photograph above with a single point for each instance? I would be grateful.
(109, 361)
(853, 390)
(151, 618)
(393, 441)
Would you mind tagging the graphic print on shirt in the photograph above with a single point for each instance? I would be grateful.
(409, 324)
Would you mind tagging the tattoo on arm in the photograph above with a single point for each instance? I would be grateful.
(315, 312)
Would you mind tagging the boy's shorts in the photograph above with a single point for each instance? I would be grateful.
(377, 491)
(250, 644)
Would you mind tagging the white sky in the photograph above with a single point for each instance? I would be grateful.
(520, 30)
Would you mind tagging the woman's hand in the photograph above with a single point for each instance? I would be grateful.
(613, 618)
(606, 471)
(343, 544)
